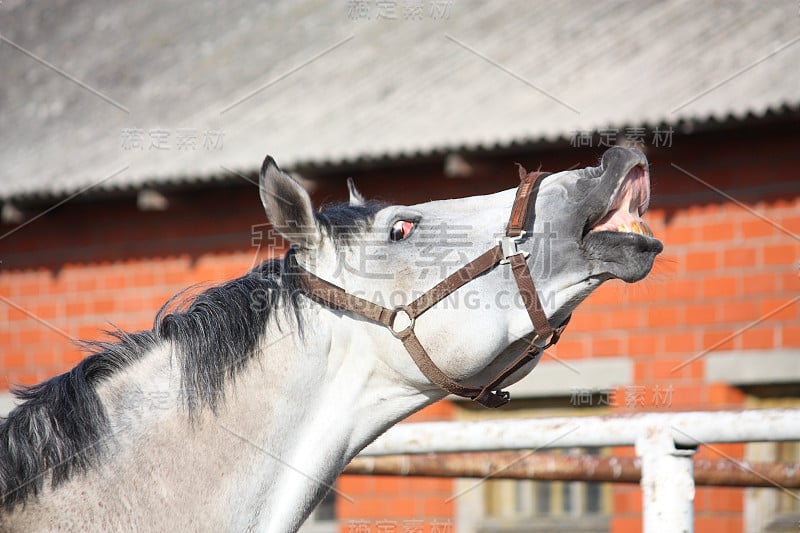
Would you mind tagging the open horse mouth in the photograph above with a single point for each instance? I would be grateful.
(615, 234)
(627, 205)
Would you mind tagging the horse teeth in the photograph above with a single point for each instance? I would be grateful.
(636, 229)
(623, 228)
(646, 228)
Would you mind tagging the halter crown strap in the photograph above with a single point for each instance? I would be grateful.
(528, 187)
(505, 252)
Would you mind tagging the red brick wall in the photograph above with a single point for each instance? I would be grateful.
(85, 264)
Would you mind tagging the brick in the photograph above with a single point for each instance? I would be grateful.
(781, 309)
(681, 289)
(723, 231)
(757, 228)
(15, 359)
(681, 343)
(688, 396)
(176, 277)
(15, 315)
(24, 378)
(48, 311)
(434, 412)
(714, 287)
(605, 346)
(75, 308)
(642, 371)
(732, 524)
(675, 234)
(437, 507)
(740, 311)
(405, 508)
(759, 284)
(626, 319)
(356, 485)
(620, 524)
(44, 358)
(645, 291)
(731, 449)
(85, 284)
(701, 261)
(391, 484)
(568, 348)
(791, 223)
(725, 395)
(29, 287)
(606, 294)
(790, 281)
(697, 369)
(143, 277)
(664, 316)
(433, 486)
(641, 344)
(103, 306)
(31, 335)
(781, 254)
(115, 281)
(667, 369)
(739, 257)
(790, 336)
(719, 340)
(758, 338)
(589, 321)
(88, 332)
(627, 502)
(701, 314)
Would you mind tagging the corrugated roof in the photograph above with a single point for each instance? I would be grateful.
(315, 82)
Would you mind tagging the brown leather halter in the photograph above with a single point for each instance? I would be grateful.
(505, 252)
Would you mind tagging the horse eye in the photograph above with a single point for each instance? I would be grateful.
(400, 230)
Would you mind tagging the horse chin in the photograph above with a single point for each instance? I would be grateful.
(625, 256)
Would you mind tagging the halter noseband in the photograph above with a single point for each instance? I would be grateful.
(506, 251)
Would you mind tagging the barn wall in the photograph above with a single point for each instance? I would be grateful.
(729, 263)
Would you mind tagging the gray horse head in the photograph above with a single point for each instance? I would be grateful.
(586, 229)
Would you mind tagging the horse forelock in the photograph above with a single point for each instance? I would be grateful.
(343, 223)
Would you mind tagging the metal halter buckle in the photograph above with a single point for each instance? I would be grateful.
(411, 322)
(508, 245)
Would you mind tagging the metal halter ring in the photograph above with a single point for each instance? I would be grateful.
(549, 338)
(411, 320)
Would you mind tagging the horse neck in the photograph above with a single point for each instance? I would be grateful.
(289, 423)
(337, 395)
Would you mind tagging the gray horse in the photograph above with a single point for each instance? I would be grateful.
(241, 406)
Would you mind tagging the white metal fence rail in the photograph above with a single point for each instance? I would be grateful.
(665, 443)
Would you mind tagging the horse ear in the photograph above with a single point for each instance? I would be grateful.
(355, 196)
(288, 206)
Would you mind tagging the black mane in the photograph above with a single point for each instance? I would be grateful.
(61, 426)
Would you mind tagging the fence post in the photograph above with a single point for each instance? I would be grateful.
(667, 483)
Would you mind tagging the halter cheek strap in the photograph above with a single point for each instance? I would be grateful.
(505, 252)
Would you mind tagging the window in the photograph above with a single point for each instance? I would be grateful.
(526, 506)
(773, 510)
(511, 505)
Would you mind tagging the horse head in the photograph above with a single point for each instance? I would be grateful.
(584, 227)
